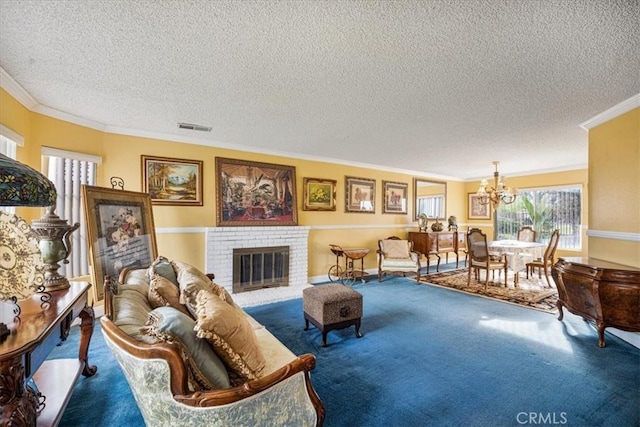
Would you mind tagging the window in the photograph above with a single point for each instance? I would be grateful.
(69, 171)
(9, 141)
(545, 209)
(431, 206)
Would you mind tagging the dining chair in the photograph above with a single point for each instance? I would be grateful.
(546, 262)
(480, 259)
(527, 234)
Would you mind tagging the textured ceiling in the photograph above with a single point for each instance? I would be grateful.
(437, 87)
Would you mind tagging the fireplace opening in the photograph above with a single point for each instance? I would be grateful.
(257, 268)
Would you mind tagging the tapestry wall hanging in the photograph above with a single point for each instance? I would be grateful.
(251, 193)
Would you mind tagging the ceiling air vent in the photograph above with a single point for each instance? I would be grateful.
(194, 127)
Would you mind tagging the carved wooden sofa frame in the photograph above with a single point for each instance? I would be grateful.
(153, 370)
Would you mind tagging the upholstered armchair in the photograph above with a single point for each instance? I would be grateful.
(397, 256)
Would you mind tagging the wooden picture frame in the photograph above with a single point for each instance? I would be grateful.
(360, 195)
(120, 231)
(395, 196)
(252, 193)
(478, 210)
(319, 194)
(170, 181)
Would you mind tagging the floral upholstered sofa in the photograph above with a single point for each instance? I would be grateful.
(192, 357)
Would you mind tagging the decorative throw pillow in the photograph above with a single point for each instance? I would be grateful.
(191, 281)
(163, 267)
(396, 249)
(205, 369)
(230, 334)
(222, 293)
(162, 292)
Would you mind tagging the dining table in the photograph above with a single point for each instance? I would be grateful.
(518, 253)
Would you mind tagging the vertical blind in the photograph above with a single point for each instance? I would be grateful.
(545, 209)
(69, 173)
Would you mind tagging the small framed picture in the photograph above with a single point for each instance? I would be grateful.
(319, 194)
(478, 209)
(360, 195)
(394, 195)
(170, 181)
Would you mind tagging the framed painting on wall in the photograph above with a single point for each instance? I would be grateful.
(252, 193)
(478, 210)
(172, 181)
(120, 231)
(360, 195)
(394, 195)
(319, 194)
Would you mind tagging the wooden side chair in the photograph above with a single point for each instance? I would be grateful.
(480, 259)
(547, 260)
(527, 234)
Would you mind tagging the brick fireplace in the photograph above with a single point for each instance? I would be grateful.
(221, 241)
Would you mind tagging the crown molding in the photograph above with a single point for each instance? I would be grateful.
(18, 92)
(612, 113)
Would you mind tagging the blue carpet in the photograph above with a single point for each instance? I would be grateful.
(429, 356)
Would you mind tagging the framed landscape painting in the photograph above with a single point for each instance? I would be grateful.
(171, 181)
(319, 194)
(120, 231)
(478, 210)
(252, 193)
(360, 195)
(395, 196)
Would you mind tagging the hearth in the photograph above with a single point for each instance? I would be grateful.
(258, 268)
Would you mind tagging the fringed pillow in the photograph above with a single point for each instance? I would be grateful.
(162, 293)
(205, 369)
(191, 281)
(230, 334)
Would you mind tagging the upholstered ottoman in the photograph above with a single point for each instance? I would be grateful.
(331, 307)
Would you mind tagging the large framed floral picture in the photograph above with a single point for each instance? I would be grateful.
(120, 231)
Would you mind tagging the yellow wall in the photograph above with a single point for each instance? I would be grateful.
(121, 157)
(614, 173)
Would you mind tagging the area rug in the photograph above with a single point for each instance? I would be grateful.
(532, 292)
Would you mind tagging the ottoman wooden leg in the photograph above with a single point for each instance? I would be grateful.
(358, 334)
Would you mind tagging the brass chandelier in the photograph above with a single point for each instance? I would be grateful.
(500, 192)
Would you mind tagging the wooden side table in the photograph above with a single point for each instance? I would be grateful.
(23, 358)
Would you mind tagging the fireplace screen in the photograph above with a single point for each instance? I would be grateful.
(257, 268)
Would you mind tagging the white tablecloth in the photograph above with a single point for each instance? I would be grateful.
(518, 253)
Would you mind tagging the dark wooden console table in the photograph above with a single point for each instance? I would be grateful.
(23, 358)
(600, 291)
(435, 243)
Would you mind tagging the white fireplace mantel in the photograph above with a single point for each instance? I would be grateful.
(221, 241)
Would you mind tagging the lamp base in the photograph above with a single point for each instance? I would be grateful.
(55, 282)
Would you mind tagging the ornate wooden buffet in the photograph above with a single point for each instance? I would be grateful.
(35, 391)
(603, 292)
(435, 243)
